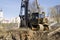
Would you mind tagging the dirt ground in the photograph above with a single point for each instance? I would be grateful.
(26, 34)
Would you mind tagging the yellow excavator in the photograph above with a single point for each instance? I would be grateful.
(33, 20)
(39, 19)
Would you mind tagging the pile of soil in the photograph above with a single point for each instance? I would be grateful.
(28, 35)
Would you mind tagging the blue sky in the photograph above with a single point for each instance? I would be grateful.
(11, 8)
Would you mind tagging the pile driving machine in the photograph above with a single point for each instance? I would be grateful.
(29, 20)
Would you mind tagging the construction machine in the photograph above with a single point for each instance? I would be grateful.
(33, 20)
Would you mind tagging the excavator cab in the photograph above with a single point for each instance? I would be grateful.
(34, 21)
(35, 17)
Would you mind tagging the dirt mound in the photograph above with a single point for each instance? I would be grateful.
(28, 35)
